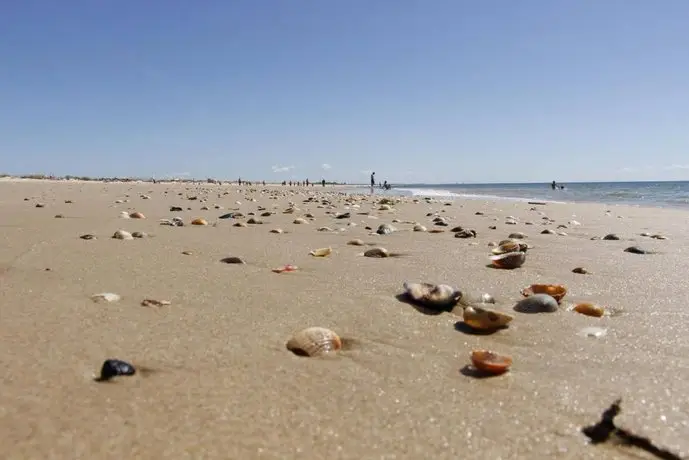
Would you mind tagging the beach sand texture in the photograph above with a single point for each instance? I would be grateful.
(215, 379)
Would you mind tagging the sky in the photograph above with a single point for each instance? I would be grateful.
(420, 91)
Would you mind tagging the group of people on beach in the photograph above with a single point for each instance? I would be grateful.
(384, 185)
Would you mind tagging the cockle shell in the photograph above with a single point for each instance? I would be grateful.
(509, 261)
(485, 318)
(589, 309)
(122, 235)
(137, 215)
(491, 362)
(321, 252)
(314, 341)
(434, 296)
(377, 252)
(199, 221)
(537, 303)
(556, 291)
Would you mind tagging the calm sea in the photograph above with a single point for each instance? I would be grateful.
(657, 194)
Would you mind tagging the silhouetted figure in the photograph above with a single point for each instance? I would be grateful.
(323, 182)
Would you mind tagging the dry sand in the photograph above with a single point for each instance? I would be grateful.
(224, 386)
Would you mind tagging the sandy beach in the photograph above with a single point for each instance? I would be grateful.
(215, 379)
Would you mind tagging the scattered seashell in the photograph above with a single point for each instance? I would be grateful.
(105, 297)
(537, 303)
(325, 229)
(485, 319)
(509, 261)
(113, 368)
(436, 230)
(199, 221)
(638, 250)
(321, 252)
(490, 362)
(385, 207)
(581, 271)
(253, 221)
(122, 235)
(286, 268)
(88, 236)
(59, 216)
(589, 309)
(187, 253)
(506, 246)
(517, 236)
(136, 215)
(466, 233)
(233, 260)
(595, 332)
(154, 303)
(277, 230)
(556, 291)
(240, 224)
(659, 237)
(355, 242)
(124, 215)
(385, 229)
(300, 220)
(419, 228)
(434, 296)
(473, 299)
(314, 341)
(547, 231)
(139, 234)
(611, 237)
(377, 253)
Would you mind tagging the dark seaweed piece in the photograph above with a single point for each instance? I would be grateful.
(113, 368)
(605, 429)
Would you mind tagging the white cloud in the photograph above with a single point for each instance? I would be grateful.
(326, 166)
(277, 169)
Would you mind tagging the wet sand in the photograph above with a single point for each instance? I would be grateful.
(220, 382)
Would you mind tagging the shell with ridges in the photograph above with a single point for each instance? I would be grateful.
(314, 341)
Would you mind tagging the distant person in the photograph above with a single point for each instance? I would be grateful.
(385, 185)
(553, 185)
(373, 181)
(323, 182)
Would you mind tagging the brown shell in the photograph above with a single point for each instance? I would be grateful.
(314, 341)
(199, 221)
(485, 318)
(589, 309)
(490, 362)
(509, 260)
(137, 215)
(556, 291)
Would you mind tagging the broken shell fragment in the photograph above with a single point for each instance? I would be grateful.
(490, 362)
(105, 297)
(314, 341)
(581, 271)
(286, 268)
(435, 296)
(509, 261)
(321, 252)
(589, 309)
(113, 368)
(154, 303)
(556, 291)
(485, 319)
(377, 253)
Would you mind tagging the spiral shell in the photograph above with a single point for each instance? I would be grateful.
(314, 341)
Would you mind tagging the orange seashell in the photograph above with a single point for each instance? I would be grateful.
(137, 215)
(490, 362)
(286, 268)
(589, 309)
(199, 221)
(556, 291)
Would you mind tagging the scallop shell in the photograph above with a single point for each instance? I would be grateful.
(137, 215)
(434, 296)
(485, 318)
(314, 341)
(537, 303)
(491, 362)
(556, 291)
(510, 260)
(321, 252)
(377, 252)
(589, 309)
(199, 221)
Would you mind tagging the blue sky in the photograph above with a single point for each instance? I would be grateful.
(420, 91)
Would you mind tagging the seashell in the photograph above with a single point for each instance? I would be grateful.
(506, 246)
(277, 230)
(122, 235)
(457, 229)
(300, 220)
(638, 250)
(611, 237)
(419, 228)
(105, 297)
(473, 299)
(466, 233)
(595, 332)
(266, 214)
(490, 362)
(537, 303)
(88, 236)
(113, 368)
(509, 261)
(385, 229)
(436, 230)
(286, 268)
(240, 224)
(155, 303)
(547, 231)
(179, 209)
(199, 221)
(233, 260)
(139, 234)
(589, 309)
(344, 215)
(385, 207)
(124, 215)
(325, 229)
(556, 291)
(309, 215)
(517, 236)
(59, 216)
(377, 252)
(659, 237)
(355, 243)
(254, 221)
(485, 319)
(314, 341)
(434, 296)
(187, 253)
(321, 252)
(581, 271)
(136, 215)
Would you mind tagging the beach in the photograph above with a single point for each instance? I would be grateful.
(216, 380)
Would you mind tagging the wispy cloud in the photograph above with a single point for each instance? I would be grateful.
(277, 169)
(675, 167)
(326, 166)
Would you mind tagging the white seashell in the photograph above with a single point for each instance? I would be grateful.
(321, 252)
(122, 235)
(105, 297)
(314, 341)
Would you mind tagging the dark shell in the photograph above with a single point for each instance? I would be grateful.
(509, 260)
(115, 367)
(537, 303)
(434, 296)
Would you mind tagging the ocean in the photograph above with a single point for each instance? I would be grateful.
(655, 194)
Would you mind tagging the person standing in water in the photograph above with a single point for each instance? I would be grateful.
(373, 181)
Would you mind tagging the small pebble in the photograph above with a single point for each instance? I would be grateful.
(581, 271)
